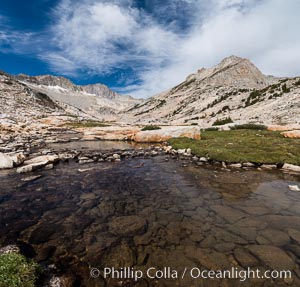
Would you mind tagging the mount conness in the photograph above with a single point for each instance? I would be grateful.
(234, 88)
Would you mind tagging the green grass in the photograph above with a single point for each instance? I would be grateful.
(223, 122)
(86, 124)
(150, 128)
(243, 146)
(17, 271)
(248, 127)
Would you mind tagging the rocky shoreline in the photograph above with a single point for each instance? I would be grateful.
(187, 154)
(129, 225)
(46, 158)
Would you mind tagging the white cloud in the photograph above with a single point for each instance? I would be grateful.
(266, 33)
(100, 37)
(14, 41)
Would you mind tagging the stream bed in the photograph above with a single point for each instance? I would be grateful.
(153, 213)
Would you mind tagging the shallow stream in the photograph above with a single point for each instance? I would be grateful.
(153, 212)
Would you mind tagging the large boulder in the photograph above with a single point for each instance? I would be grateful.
(31, 167)
(18, 158)
(291, 167)
(5, 161)
(37, 162)
(283, 127)
(43, 158)
(166, 133)
(292, 134)
(108, 133)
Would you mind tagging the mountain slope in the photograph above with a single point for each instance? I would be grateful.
(20, 103)
(96, 100)
(234, 88)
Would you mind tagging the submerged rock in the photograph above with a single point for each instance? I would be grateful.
(31, 178)
(276, 237)
(207, 258)
(294, 234)
(128, 225)
(272, 256)
(229, 214)
(245, 258)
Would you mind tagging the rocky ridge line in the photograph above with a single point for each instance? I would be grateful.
(234, 88)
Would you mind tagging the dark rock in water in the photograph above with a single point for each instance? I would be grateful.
(45, 253)
(128, 225)
(229, 214)
(282, 222)
(294, 248)
(294, 234)
(224, 246)
(26, 249)
(42, 234)
(120, 256)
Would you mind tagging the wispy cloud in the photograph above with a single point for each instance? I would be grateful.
(103, 36)
(18, 42)
(163, 42)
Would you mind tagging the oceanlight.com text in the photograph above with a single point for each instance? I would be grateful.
(194, 273)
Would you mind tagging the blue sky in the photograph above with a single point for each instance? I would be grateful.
(142, 47)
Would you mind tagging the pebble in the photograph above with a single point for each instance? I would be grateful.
(294, 188)
(31, 178)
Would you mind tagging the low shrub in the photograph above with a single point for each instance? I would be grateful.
(253, 98)
(223, 122)
(285, 89)
(17, 271)
(150, 128)
(249, 127)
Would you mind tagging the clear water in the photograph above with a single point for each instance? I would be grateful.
(157, 214)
